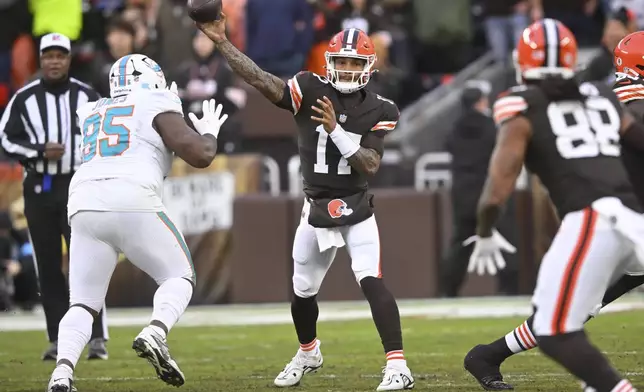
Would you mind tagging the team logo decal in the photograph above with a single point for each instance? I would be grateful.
(338, 208)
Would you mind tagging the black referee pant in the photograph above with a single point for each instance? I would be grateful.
(46, 213)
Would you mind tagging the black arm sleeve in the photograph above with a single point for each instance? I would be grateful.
(286, 102)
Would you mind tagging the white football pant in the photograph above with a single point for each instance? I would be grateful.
(148, 239)
(310, 265)
(586, 256)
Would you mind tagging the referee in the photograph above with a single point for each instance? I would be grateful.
(40, 129)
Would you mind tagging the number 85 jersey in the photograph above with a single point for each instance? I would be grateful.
(574, 148)
(124, 157)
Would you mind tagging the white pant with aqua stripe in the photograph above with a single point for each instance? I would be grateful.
(148, 239)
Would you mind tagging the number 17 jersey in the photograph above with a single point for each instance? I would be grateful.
(574, 148)
(124, 159)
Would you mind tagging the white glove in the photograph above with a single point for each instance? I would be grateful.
(486, 256)
(212, 118)
(173, 88)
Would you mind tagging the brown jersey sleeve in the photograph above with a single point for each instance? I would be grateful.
(388, 121)
(628, 89)
(508, 106)
(297, 88)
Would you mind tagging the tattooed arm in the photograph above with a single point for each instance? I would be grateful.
(365, 160)
(269, 85)
(505, 166)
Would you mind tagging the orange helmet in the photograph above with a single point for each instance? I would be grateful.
(629, 55)
(545, 48)
(352, 43)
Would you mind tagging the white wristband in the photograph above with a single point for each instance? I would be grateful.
(343, 142)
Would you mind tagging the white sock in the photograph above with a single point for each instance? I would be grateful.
(158, 330)
(74, 332)
(170, 301)
(396, 359)
(624, 386)
(62, 371)
(521, 339)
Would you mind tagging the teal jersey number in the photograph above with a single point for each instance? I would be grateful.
(94, 123)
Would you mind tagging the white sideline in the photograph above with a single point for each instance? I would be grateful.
(263, 314)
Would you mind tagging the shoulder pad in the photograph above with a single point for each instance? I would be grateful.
(389, 117)
(389, 107)
(509, 106)
(512, 90)
(299, 84)
(628, 88)
(593, 89)
(84, 109)
(160, 101)
(309, 79)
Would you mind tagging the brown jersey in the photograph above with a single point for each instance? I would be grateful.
(630, 91)
(326, 173)
(574, 148)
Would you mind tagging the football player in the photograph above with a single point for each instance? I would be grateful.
(567, 134)
(484, 360)
(115, 206)
(341, 130)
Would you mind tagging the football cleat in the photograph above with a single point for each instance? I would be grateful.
(51, 353)
(61, 385)
(153, 347)
(396, 378)
(484, 370)
(302, 363)
(97, 349)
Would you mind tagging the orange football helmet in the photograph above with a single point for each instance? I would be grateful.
(545, 48)
(628, 55)
(352, 43)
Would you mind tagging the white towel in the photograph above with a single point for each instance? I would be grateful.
(327, 238)
(627, 222)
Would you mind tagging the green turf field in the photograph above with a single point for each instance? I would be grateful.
(249, 357)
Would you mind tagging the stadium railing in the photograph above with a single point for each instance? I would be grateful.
(424, 125)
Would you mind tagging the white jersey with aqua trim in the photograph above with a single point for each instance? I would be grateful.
(124, 159)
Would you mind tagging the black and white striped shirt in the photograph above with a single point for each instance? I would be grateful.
(38, 114)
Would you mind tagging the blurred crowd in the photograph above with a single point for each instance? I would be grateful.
(419, 43)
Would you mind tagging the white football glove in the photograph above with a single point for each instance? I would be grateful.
(212, 119)
(173, 88)
(486, 256)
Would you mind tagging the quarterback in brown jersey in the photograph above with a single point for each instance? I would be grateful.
(484, 360)
(568, 134)
(341, 126)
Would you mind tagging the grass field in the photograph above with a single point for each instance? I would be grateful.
(245, 358)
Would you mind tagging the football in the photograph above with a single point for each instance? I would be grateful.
(204, 11)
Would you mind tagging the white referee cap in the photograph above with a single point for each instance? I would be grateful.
(55, 40)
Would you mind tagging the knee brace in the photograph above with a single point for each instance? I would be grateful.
(304, 286)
